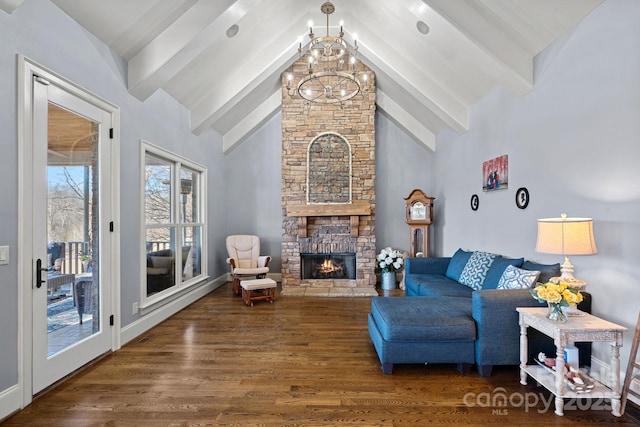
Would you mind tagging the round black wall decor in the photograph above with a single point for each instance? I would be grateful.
(522, 198)
(475, 202)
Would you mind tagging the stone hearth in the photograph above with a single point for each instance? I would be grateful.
(346, 226)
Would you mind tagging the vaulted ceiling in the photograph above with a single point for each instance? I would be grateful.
(425, 82)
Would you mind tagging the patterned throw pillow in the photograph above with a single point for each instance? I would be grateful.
(517, 278)
(475, 271)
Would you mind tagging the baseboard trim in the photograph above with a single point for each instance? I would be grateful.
(10, 401)
(275, 276)
(140, 326)
(601, 369)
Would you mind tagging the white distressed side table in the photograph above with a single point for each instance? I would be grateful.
(578, 329)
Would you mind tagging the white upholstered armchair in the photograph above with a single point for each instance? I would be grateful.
(245, 259)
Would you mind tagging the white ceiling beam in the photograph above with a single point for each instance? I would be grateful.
(446, 107)
(214, 108)
(539, 22)
(252, 121)
(10, 5)
(181, 43)
(206, 76)
(181, 47)
(441, 99)
(131, 39)
(494, 38)
(134, 23)
(421, 112)
(406, 121)
(220, 97)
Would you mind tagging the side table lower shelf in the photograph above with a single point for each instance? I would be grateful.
(547, 380)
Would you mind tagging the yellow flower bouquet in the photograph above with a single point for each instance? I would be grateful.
(556, 295)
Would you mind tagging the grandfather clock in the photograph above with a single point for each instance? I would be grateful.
(419, 218)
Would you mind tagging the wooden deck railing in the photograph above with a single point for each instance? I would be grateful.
(73, 250)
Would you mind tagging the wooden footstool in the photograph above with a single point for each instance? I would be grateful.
(257, 290)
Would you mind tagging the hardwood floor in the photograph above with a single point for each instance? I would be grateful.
(298, 361)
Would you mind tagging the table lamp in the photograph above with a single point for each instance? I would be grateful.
(566, 236)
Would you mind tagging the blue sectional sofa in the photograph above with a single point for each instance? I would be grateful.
(434, 285)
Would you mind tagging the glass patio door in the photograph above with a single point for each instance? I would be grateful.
(70, 299)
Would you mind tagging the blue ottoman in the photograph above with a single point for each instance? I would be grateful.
(423, 330)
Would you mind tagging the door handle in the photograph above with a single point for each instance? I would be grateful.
(39, 271)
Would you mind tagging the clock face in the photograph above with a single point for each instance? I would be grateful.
(418, 211)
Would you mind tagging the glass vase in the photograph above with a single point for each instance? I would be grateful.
(555, 313)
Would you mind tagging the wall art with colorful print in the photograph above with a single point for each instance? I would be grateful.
(495, 174)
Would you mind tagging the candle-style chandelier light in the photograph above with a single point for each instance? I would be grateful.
(331, 75)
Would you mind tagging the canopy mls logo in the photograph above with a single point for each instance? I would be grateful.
(500, 402)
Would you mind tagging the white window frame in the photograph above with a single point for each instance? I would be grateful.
(148, 303)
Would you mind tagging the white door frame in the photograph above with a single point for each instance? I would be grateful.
(27, 69)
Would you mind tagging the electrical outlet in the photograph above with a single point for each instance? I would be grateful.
(134, 310)
(4, 254)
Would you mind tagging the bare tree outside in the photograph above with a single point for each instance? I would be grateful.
(65, 207)
(157, 201)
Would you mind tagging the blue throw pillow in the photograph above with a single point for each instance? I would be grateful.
(547, 271)
(517, 278)
(476, 269)
(497, 269)
(457, 263)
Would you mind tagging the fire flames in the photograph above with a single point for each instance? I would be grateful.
(328, 267)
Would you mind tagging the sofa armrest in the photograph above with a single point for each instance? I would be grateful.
(497, 324)
(426, 265)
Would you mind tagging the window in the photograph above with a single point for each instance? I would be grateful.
(174, 208)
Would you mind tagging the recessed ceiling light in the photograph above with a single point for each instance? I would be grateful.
(422, 27)
(232, 30)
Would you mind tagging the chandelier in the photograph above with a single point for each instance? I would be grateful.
(329, 77)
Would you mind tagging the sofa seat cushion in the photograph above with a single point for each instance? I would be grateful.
(161, 261)
(154, 271)
(422, 319)
(428, 285)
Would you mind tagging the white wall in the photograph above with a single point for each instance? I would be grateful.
(573, 142)
(402, 165)
(254, 203)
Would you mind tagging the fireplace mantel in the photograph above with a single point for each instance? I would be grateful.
(353, 210)
(360, 207)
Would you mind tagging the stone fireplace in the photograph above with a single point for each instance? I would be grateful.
(328, 191)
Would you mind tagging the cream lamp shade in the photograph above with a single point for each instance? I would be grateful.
(566, 236)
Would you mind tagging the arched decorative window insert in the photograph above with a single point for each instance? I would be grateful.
(329, 169)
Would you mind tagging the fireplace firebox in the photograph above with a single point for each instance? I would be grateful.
(328, 266)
